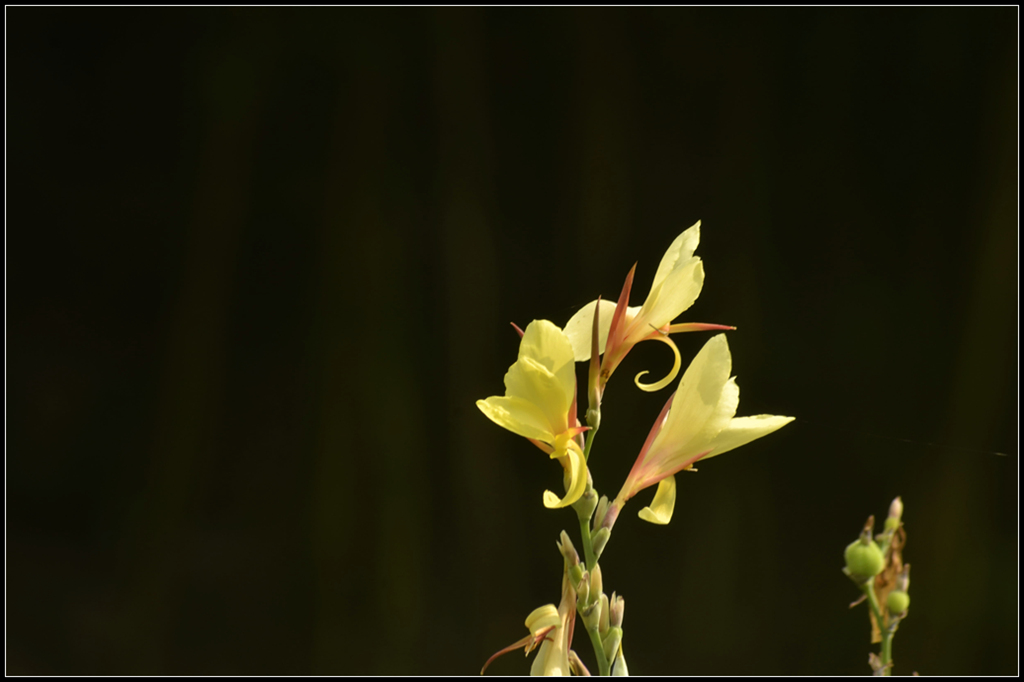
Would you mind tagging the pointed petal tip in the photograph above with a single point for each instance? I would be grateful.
(516, 327)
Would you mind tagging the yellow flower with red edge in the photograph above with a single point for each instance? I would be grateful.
(698, 422)
(677, 284)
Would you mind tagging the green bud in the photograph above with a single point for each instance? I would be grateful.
(602, 509)
(599, 541)
(594, 418)
(586, 505)
(864, 560)
(569, 552)
(596, 582)
(576, 574)
(611, 643)
(896, 510)
(618, 607)
(583, 592)
(591, 614)
(897, 602)
(602, 626)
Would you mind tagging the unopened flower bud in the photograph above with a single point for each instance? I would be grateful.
(599, 541)
(596, 581)
(619, 668)
(602, 626)
(618, 607)
(611, 643)
(590, 613)
(572, 557)
(586, 505)
(610, 516)
(602, 509)
(892, 522)
(897, 602)
(583, 591)
(864, 560)
(576, 574)
(594, 417)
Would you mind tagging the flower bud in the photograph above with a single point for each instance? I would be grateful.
(599, 541)
(583, 592)
(611, 643)
(610, 516)
(892, 522)
(594, 417)
(596, 582)
(602, 625)
(897, 602)
(586, 504)
(576, 574)
(618, 606)
(569, 552)
(619, 668)
(591, 614)
(864, 560)
(602, 509)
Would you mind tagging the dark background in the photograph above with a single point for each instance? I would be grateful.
(261, 264)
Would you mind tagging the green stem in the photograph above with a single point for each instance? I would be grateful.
(602, 661)
(869, 590)
(588, 545)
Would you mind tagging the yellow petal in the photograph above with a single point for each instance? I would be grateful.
(534, 383)
(580, 327)
(664, 503)
(742, 430)
(658, 385)
(519, 416)
(676, 293)
(697, 398)
(681, 250)
(543, 617)
(547, 345)
(577, 480)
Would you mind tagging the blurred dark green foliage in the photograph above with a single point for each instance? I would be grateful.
(261, 263)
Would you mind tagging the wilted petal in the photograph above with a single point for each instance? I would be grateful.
(542, 617)
(664, 503)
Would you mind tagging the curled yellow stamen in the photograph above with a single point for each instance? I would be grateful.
(658, 385)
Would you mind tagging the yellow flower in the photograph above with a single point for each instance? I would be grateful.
(553, 657)
(696, 423)
(540, 404)
(677, 284)
(552, 629)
